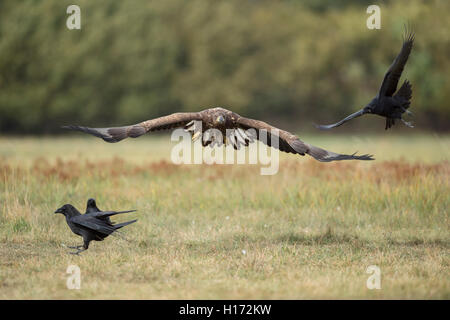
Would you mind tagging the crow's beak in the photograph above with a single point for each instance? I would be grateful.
(59, 210)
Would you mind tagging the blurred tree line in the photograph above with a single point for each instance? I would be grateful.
(290, 62)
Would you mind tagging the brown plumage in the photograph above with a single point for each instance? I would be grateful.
(235, 130)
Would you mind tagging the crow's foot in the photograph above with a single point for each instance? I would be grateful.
(75, 247)
(77, 252)
(408, 124)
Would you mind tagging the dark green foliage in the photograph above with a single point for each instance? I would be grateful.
(288, 61)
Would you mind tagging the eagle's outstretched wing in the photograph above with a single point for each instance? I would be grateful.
(290, 143)
(116, 134)
(394, 72)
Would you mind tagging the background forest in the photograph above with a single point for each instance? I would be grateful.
(290, 62)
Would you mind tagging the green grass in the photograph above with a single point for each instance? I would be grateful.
(309, 231)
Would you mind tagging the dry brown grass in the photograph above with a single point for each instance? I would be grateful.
(67, 170)
(309, 231)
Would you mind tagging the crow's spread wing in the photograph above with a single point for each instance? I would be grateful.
(394, 72)
(104, 214)
(96, 225)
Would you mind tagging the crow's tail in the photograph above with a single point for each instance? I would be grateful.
(404, 94)
(120, 225)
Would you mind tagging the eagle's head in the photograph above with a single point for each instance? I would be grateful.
(219, 120)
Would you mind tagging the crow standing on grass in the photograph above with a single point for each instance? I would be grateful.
(386, 103)
(92, 225)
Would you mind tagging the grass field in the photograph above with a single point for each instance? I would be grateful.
(225, 231)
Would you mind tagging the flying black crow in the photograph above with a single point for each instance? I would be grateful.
(90, 226)
(388, 103)
(235, 130)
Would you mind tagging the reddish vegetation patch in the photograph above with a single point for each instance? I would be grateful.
(71, 169)
(377, 172)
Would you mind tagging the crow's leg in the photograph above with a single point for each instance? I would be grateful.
(71, 247)
(82, 248)
(389, 123)
(77, 252)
